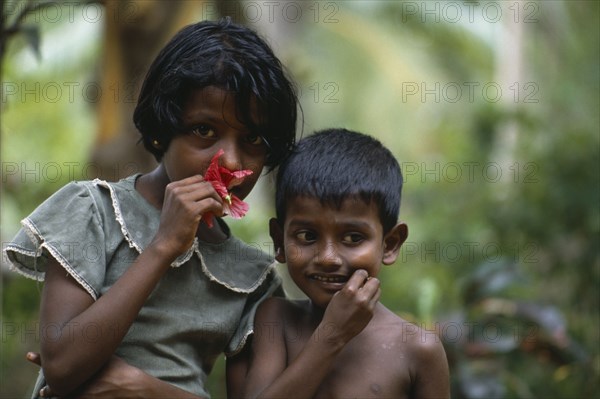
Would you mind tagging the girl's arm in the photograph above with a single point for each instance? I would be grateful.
(270, 375)
(119, 379)
(79, 335)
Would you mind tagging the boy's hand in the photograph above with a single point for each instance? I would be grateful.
(351, 308)
(184, 204)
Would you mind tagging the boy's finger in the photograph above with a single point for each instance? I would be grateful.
(357, 279)
(373, 282)
(34, 357)
(375, 298)
(371, 287)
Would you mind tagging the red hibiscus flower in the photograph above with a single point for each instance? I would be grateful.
(222, 179)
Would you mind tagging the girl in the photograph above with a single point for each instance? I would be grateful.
(134, 273)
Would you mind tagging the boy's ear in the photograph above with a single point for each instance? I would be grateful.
(392, 242)
(276, 233)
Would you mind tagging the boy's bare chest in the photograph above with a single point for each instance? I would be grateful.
(372, 365)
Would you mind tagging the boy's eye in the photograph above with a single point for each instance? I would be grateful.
(254, 139)
(352, 238)
(204, 131)
(306, 236)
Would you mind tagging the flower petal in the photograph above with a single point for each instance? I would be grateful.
(237, 177)
(212, 172)
(223, 179)
(238, 208)
(219, 188)
(208, 219)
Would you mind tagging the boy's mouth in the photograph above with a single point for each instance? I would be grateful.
(329, 278)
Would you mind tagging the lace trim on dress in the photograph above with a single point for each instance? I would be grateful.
(35, 273)
(23, 271)
(40, 242)
(118, 214)
(241, 344)
(181, 259)
(252, 288)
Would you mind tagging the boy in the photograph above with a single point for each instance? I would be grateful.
(337, 200)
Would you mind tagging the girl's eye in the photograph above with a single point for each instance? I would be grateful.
(254, 139)
(204, 131)
(306, 236)
(352, 238)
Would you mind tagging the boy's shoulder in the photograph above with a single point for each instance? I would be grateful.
(405, 336)
(420, 348)
(277, 306)
(414, 349)
(282, 315)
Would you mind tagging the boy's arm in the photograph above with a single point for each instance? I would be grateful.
(431, 369)
(270, 375)
(267, 357)
(236, 370)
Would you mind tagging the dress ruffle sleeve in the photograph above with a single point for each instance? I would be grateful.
(271, 286)
(68, 227)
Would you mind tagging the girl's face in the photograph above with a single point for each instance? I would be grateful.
(210, 117)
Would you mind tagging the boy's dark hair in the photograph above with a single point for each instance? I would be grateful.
(231, 57)
(336, 164)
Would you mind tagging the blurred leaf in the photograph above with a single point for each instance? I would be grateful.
(32, 36)
(490, 279)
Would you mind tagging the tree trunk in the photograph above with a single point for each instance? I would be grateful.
(135, 31)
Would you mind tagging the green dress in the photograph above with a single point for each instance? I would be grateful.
(203, 306)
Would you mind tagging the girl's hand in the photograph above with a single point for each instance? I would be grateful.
(184, 204)
(113, 379)
(351, 308)
(118, 379)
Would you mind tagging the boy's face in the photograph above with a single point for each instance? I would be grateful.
(323, 246)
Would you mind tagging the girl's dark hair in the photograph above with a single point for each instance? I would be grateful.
(233, 58)
(337, 164)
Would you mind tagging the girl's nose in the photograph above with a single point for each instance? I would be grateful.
(231, 157)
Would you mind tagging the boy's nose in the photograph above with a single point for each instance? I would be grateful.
(329, 257)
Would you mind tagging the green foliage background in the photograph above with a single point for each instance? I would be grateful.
(501, 192)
